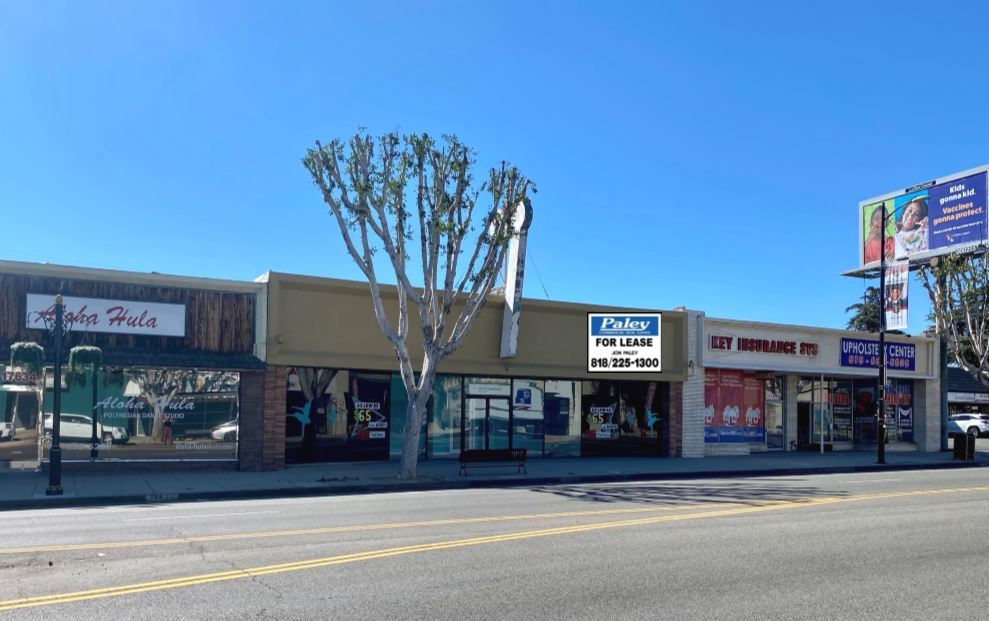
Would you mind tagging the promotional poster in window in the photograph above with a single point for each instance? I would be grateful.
(734, 406)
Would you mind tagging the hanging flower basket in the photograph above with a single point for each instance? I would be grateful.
(83, 358)
(27, 355)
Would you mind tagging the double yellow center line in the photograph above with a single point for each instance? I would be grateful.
(265, 570)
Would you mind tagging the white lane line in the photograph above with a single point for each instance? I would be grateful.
(193, 517)
(873, 481)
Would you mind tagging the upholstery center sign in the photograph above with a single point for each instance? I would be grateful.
(114, 316)
(625, 343)
(864, 353)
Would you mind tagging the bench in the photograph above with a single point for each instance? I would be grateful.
(492, 457)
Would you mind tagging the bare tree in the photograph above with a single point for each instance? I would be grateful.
(384, 192)
(959, 290)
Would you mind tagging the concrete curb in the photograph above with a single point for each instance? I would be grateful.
(418, 486)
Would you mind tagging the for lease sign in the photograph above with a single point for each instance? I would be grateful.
(624, 342)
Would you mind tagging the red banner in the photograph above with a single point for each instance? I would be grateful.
(754, 402)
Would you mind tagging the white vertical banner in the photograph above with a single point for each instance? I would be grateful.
(895, 296)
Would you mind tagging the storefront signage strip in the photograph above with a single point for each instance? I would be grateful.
(968, 397)
(763, 346)
(111, 316)
(864, 353)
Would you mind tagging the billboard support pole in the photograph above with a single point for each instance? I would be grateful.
(881, 413)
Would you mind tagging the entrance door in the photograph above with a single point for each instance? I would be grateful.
(487, 424)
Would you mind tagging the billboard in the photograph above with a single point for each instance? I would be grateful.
(934, 218)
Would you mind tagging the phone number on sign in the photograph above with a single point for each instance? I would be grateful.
(625, 363)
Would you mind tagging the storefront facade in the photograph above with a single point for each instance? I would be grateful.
(294, 369)
(965, 394)
(766, 387)
(181, 375)
(333, 392)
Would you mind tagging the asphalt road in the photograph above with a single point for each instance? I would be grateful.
(899, 545)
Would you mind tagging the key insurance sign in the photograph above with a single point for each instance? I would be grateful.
(624, 342)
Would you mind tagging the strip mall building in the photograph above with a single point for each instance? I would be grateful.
(293, 369)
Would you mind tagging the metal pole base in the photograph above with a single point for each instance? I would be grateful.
(54, 472)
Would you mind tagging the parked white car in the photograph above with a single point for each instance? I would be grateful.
(7, 431)
(79, 427)
(226, 432)
(971, 424)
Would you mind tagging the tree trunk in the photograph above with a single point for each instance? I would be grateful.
(158, 423)
(410, 439)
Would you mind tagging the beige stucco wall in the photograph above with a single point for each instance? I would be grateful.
(330, 323)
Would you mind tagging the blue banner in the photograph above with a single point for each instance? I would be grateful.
(864, 353)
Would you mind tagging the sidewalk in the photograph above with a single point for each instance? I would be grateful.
(23, 490)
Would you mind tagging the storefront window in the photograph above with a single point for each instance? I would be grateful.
(445, 417)
(623, 417)
(814, 416)
(336, 415)
(734, 407)
(775, 416)
(899, 410)
(20, 408)
(527, 415)
(561, 418)
(486, 413)
(399, 409)
(841, 392)
(146, 414)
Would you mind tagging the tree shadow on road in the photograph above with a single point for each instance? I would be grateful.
(742, 493)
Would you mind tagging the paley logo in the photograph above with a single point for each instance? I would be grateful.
(624, 325)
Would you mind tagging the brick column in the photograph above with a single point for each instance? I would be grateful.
(676, 419)
(250, 432)
(273, 419)
(693, 389)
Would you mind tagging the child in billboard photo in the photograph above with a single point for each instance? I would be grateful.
(873, 250)
(911, 227)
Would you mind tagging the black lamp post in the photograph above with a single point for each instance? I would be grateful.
(55, 454)
(881, 413)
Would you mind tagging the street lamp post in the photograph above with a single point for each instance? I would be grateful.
(881, 413)
(55, 453)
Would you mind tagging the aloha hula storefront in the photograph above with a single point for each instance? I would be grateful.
(332, 391)
(778, 387)
(175, 379)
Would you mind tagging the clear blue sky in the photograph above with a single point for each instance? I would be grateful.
(693, 153)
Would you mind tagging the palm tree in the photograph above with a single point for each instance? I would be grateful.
(866, 312)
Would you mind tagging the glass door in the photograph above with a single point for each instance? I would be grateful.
(775, 419)
(487, 423)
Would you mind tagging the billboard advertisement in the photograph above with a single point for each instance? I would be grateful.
(934, 218)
